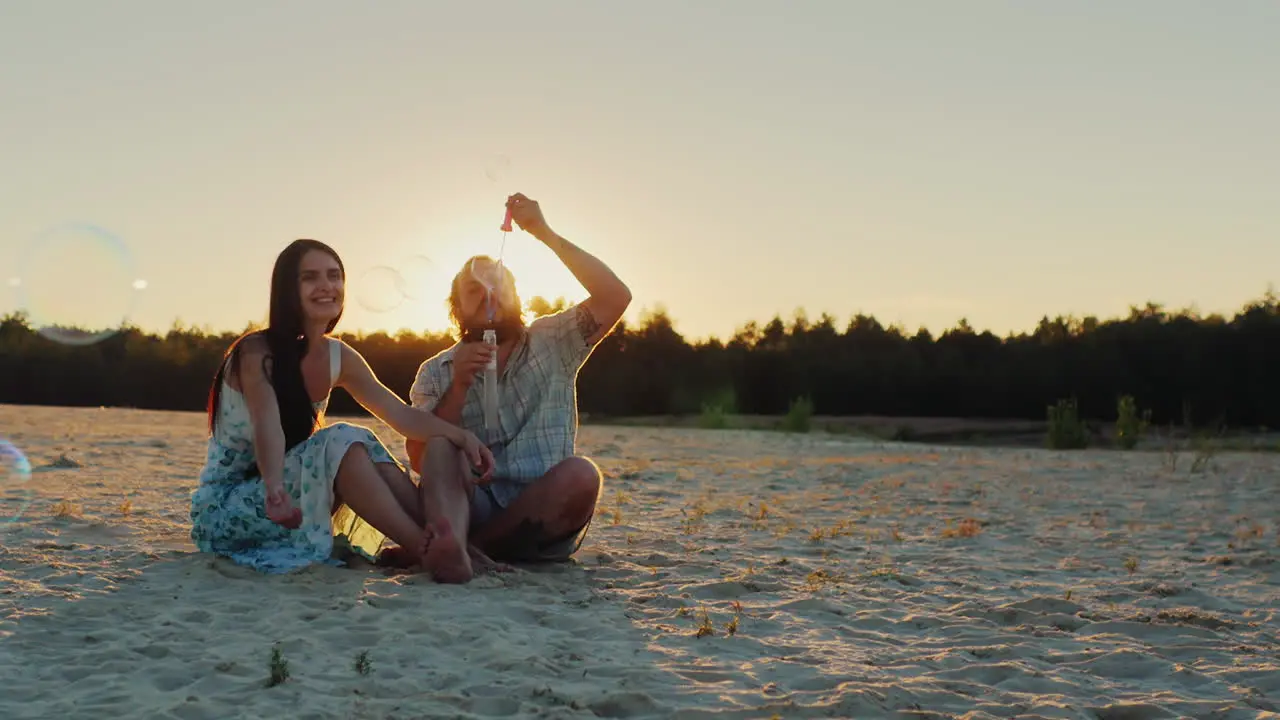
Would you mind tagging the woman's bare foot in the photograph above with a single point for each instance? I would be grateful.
(443, 556)
(483, 563)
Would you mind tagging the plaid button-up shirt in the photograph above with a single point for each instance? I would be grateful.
(537, 401)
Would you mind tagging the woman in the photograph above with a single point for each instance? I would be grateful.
(275, 482)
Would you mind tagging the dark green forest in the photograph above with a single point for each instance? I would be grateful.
(1177, 365)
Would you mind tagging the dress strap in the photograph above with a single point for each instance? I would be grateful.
(335, 361)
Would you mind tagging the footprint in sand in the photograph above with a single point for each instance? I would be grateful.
(153, 651)
(169, 680)
(197, 616)
(193, 710)
(626, 704)
(74, 673)
(492, 707)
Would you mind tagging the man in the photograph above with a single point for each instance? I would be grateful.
(541, 496)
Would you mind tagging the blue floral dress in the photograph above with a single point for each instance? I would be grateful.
(228, 508)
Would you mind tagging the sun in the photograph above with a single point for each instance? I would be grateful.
(539, 272)
(428, 276)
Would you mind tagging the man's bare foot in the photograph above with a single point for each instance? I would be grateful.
(483, 563)
(442, 554)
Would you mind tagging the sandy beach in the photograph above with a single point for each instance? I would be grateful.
(729, 574)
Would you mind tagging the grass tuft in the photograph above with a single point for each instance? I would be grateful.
(1066, 430)
(278, 667)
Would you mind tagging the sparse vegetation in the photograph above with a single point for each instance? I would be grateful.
(799, 418)
(1205, 449)
(785, 529)
(819, 579)
(693, 517)
(966, 528)
(1130, 426)
(1172, 451)
(1247, 532)
(887, 572)
(1066, 430)
(705, 626)
(731, 627)
(840, 528)
(717, 411)
(278, 667)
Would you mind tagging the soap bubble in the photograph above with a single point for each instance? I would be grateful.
(420, 279)
(384, 288)
(497, 168)
(379, 289)
(15, 476)
(492, 275)
(77, 284)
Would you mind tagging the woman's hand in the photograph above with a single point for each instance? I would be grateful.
(477, 454)
(280, 509)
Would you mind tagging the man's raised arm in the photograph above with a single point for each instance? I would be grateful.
(609, 296)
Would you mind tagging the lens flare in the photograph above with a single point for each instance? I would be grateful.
(15, 479)
(77, 284)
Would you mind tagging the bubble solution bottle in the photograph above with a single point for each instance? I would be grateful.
(491, 383)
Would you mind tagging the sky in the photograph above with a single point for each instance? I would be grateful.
(730, 160)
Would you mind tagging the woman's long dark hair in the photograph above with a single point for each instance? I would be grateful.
(287, 346)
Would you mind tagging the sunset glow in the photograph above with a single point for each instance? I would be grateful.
(969, 162)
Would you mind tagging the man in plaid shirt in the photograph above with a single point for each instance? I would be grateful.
(537, 502)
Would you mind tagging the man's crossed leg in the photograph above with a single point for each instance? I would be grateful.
(545, 523)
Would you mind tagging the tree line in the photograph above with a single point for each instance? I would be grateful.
(1177, 365)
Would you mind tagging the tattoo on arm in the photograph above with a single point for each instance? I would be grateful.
(587, 323)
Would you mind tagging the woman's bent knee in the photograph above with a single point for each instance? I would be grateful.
(343, 428)
(355, 453)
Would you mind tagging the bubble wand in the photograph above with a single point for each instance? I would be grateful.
(491, 335)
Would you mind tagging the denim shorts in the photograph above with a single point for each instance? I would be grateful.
(484, 507)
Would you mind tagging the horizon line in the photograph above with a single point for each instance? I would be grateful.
(1267, 298)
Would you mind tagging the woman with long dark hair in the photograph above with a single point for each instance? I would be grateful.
(279, 485)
